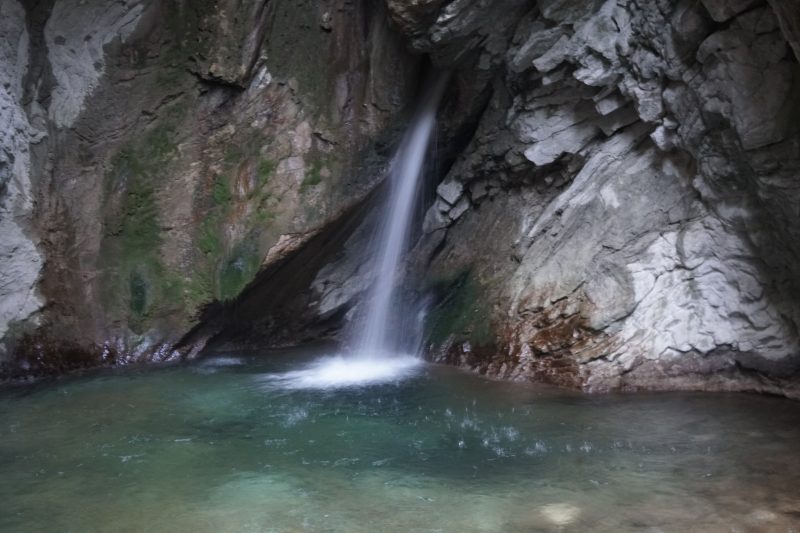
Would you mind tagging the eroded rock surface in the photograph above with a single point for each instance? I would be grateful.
(620, 213)
(641, 159)
(156, 156)
(20, 259)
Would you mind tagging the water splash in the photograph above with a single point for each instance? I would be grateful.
(339, 372)
(382, 343)
(378, 339)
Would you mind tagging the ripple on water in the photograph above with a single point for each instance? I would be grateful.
(446, 451)
(210, 366)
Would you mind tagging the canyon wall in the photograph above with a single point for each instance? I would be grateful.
(617, 206)
(155, 156)
(625, 216)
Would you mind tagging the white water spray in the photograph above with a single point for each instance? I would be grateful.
(376, 358)
(406, 170)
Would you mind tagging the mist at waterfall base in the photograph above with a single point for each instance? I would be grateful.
(387, 338)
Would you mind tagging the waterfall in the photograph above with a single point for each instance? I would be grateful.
(375, 339)
(378, 357)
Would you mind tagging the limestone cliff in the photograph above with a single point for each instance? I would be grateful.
(617, 206)
(626, 215)
(156, 155)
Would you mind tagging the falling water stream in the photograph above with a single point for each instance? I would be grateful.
(405, 175)
(378, 356)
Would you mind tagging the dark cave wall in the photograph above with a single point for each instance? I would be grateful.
(166, 151)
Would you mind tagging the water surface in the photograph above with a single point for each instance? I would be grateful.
(226, 445)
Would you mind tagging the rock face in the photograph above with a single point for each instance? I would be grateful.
(617, 208)
(155, 156)
(20, 260)
(625, 215)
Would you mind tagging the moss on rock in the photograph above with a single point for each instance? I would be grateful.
(461, 312)
(313, 176)
(136, 284)
(221, 192)
(266, 168)
(238, 271)
(296, 48)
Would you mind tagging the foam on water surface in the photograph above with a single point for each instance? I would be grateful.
(222, 361)
(339, 371)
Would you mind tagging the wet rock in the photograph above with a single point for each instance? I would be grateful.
(459, 31)
(539, 39)
(621, 200)
(75, 49)
(650, 147)
(554, 56)
(436, 218)
(20, 259)
(450, 191)
(611, 103)
(788, 15)
(754, 98)
(722, 10)
(459, 209)
(229, 156)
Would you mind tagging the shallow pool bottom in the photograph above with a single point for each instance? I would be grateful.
(234, 444)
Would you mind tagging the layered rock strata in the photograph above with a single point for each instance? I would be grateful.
(625, 216)
(155, 156)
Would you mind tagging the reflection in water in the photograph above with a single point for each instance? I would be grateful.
(243, 449)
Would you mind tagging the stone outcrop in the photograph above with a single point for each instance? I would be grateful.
(20, 260)
(624, 216)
